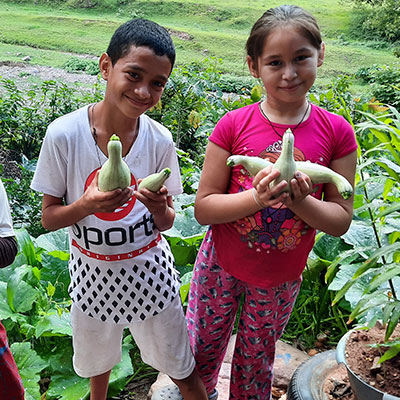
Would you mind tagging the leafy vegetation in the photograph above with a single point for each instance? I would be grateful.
(201, 28)
(377, 18)
(349, 280)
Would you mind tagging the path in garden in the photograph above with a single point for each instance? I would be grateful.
(287, 359)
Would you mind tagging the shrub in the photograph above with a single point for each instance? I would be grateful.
(236, 84)
(377, 18)
(384, 81)
(76, 64)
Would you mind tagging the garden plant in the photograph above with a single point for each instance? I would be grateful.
(349, 281)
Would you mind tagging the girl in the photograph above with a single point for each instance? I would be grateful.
(259, 240)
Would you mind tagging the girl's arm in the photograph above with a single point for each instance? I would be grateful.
(331, 215)
(56, 215)
(213, 205)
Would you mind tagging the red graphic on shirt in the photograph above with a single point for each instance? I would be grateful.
(120, 212)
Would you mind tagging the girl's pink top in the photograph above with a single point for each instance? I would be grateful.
(272, 246)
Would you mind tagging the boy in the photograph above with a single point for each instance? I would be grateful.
(122, 271)
(10, 380)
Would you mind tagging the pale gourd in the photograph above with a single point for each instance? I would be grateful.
(154, 181)
(115, 173)
(287, 167)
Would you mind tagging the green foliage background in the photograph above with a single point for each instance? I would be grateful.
(349, 280)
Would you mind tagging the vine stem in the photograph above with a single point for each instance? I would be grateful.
(376, 233)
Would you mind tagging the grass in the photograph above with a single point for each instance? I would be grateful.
(200, 29)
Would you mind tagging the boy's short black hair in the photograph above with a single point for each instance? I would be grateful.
(141, 32)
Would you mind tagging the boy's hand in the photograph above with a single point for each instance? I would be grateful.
(96, 201)
(159, 204)
(156, 202)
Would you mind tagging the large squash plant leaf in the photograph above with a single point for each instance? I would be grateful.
(53, 324)
(56, 271)
(68, 386)
(29, 365)
(54, 241)
(328, 247)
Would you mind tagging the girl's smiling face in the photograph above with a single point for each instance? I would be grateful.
(287, 65)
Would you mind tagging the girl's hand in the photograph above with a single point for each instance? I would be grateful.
(301, 187)
(94, 201)
(264, 195)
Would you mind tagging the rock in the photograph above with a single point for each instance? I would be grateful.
(26, 58)
(287, 359)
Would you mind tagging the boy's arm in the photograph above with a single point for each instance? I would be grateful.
(8, 250)
(56, 215)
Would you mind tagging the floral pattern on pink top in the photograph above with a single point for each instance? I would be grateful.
(271, 228)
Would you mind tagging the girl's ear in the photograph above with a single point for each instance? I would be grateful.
(105, 65)
(252, 67)
(321, 55)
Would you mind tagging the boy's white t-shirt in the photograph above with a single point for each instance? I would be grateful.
(6, 228)
(121, 268)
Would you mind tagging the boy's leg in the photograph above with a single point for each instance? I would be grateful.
(97, 349)
(214, 299)
(99, 386)
(164, 344)
(192, 387)
(264, 316)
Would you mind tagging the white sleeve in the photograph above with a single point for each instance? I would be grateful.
(6, 228)
(51, 171)
(170, 160)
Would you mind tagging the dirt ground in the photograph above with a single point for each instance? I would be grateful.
(25, 73)
(363, 360)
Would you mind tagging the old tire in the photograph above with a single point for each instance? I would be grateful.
(308, 378)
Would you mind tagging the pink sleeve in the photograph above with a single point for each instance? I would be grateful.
(346, 141)
(222, 133)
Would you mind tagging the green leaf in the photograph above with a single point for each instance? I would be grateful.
(363, 305)
(390, 209)
(391, 353)
(26, 297)
(328, 247)
(55, 271)
(68, 386)
(13, 283)
(360, 235)
(387, 312)
(393, 320)
(385, 274)
(29, 365)
(5, 310)
(25, 243)
(121, 371)
(185, 285)
(53, 325)
(372, 261)
(54, 241)
(186, 225)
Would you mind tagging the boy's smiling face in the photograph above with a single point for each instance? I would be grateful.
(136, 81)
